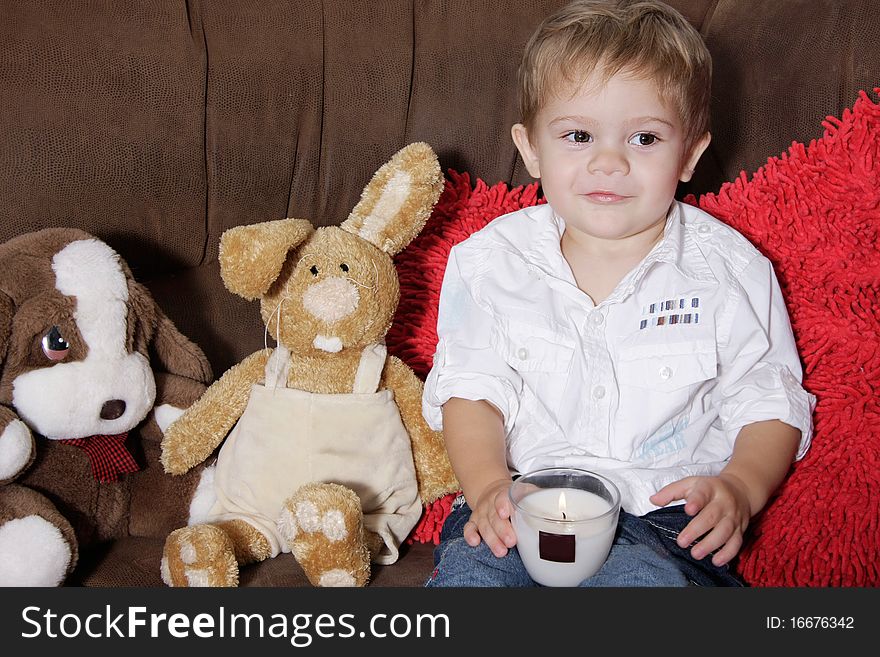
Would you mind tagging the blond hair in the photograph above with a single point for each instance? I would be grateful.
(644, 38)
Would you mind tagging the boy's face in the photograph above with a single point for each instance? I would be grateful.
(609, 156)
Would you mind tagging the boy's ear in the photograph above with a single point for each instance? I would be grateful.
(691, 159)
(529, 156)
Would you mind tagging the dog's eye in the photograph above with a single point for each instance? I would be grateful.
(344, 267)
(314, 270)
(54, 345)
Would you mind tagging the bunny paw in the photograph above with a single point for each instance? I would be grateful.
(323, 525)
(201, 555)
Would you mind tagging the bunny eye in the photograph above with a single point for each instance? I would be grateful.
(314, 270)
(344, 267)
(54, 345)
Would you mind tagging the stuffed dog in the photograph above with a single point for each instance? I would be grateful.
(326, 453)
(87, 357)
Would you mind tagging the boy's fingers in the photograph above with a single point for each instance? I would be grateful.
(504, 530)
(474, 533)
(695, 501)
(729, 551)
(502, 506)
(494, 543)
(677, 490)
(700, 524)
(713, 540)
(471, 533)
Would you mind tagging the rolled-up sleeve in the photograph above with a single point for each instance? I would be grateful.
(760, 371)
(465, 364)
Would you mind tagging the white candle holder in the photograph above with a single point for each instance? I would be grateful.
(565, 520)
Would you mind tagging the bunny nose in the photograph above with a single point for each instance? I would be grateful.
(331, 300)
(112, 409)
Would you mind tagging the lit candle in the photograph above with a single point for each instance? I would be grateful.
(563, 534)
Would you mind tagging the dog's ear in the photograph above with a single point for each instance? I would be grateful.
(141, 319)
(175, 353)
(7, 309)
(251, 257)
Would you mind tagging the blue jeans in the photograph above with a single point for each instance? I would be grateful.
(644, 553)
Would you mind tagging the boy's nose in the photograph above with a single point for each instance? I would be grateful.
(608, 161)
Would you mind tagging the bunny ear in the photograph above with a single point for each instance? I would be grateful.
(251, 257)
(398, 200)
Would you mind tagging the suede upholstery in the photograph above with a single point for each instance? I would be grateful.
(158, 124)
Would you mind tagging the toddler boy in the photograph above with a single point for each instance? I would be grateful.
(615, 329)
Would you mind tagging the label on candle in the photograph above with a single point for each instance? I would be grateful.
(556, 547)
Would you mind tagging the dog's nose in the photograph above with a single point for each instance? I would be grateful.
(112, 409)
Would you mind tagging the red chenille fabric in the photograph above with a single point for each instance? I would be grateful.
(461, 210)
(814, 211)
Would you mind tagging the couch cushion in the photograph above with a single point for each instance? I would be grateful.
(134, 562)
(777, 66)
(103, 127)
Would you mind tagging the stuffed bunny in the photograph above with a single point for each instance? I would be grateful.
(86, 356)
(326, 453)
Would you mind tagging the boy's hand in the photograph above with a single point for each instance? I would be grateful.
(490, 519)
(722, 512)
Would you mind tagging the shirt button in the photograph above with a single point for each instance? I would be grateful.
(704, 228)
(598, 392)
(597, 317)
(665, 373)
(522, 353)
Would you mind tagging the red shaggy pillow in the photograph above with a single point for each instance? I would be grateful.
(815, 212)
(460, 211)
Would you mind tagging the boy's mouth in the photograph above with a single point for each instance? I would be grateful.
(605, 197)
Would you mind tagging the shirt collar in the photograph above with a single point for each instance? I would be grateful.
(678, 247)
(544, 249)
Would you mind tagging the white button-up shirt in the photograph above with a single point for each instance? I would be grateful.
(651, 385)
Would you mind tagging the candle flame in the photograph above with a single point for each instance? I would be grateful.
(562, 504)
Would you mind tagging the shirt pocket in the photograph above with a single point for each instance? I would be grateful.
(668, 367)
(527, 348)
(543, 360)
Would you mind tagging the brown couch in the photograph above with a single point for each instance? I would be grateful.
(157, 124)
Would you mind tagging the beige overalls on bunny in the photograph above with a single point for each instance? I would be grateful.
(287, 437)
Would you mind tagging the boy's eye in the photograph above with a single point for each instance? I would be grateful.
(643, 139)
(579, 136)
